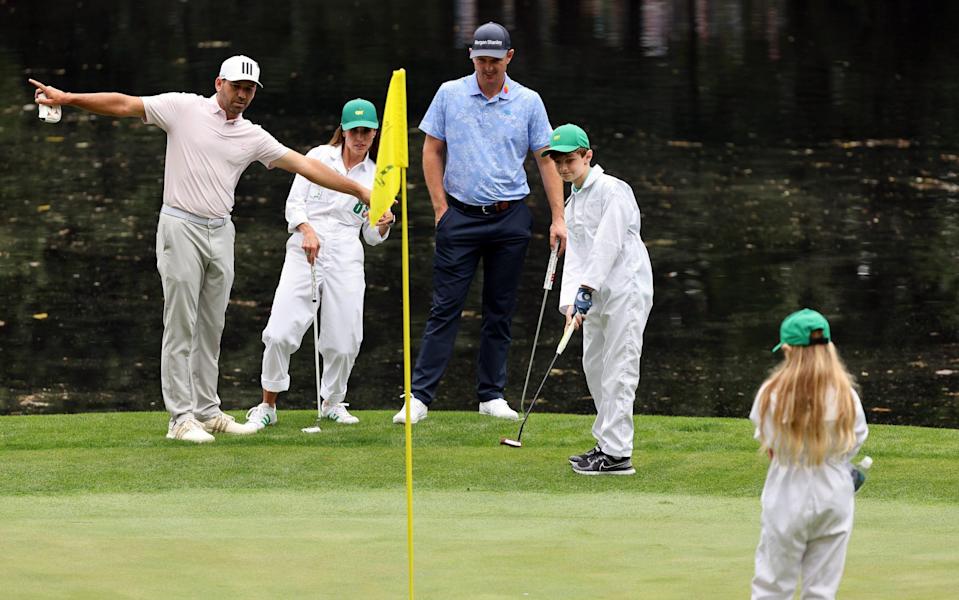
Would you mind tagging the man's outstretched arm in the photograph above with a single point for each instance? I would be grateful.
(111, 104)
(322, 175)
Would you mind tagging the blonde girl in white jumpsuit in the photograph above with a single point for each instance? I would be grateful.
(605, 254)
(810, 421)
(326, 227)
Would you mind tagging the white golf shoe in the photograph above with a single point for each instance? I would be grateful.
(188, 430)
(337, 412)
(224, 423)
(418, 412)
(261, 415)
(498, 408)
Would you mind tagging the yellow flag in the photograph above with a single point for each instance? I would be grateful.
(393, 154)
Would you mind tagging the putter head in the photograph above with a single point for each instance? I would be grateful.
(314, 429)
(511, 443)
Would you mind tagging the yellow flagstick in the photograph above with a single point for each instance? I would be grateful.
(391, 164)
(407, 378)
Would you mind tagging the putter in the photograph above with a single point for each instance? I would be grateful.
(547, 286)
(559, 350)
(316, 358)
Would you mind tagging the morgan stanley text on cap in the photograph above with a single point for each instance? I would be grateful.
(490, 39)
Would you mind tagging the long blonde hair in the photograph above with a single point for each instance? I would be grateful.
(802, 383)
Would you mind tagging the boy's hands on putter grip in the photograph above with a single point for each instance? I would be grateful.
(580, 306)
(584, 300)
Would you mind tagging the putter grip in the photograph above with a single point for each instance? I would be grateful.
(551, 268)
(566, 335)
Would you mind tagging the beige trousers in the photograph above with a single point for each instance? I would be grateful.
(196, 268)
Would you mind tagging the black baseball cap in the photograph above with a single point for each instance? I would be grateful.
(490, 39)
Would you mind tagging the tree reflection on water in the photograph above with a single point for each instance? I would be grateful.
(784, 154)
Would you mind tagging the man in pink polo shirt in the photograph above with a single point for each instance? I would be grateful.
(209, 145)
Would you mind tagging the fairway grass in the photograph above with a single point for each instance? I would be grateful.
(95, 506)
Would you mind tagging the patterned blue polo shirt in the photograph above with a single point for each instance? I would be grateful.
(487, 140)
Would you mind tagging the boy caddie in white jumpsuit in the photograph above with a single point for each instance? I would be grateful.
(337, 220)
(608, 289)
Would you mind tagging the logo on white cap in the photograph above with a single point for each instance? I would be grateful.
(240, 68)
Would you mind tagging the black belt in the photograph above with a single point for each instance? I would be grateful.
(486, 209)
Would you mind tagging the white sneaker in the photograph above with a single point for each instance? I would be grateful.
(498, 408)
(418, 412)
(337, 412)
(188, 430)
(261, 415)
(224, 423)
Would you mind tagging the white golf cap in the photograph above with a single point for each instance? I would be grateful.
(240, 68)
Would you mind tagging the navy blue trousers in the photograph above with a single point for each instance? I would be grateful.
(500, 240)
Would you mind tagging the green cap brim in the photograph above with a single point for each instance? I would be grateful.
(355, 124)
(778, 346)
(559, 149)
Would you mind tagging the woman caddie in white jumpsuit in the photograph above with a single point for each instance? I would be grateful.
(338, 220)
(606, 253)
(807, 516)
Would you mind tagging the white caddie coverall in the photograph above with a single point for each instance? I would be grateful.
(807, 515)
(605, 252)
(338, 220)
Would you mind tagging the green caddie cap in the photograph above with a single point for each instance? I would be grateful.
(797, 329)
(567, 138)
(359, 113)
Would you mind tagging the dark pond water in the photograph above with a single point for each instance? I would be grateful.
(784, 154)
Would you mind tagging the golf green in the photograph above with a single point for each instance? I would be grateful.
(95, 506)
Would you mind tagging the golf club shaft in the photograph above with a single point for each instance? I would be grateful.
(529, 369)
(568, 333)
(316, 343)
(547, 286)
(519, 436)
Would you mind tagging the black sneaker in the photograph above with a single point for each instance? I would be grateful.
(581, 457)
(604, 464)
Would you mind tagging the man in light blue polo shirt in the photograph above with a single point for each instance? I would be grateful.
(479, 130)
